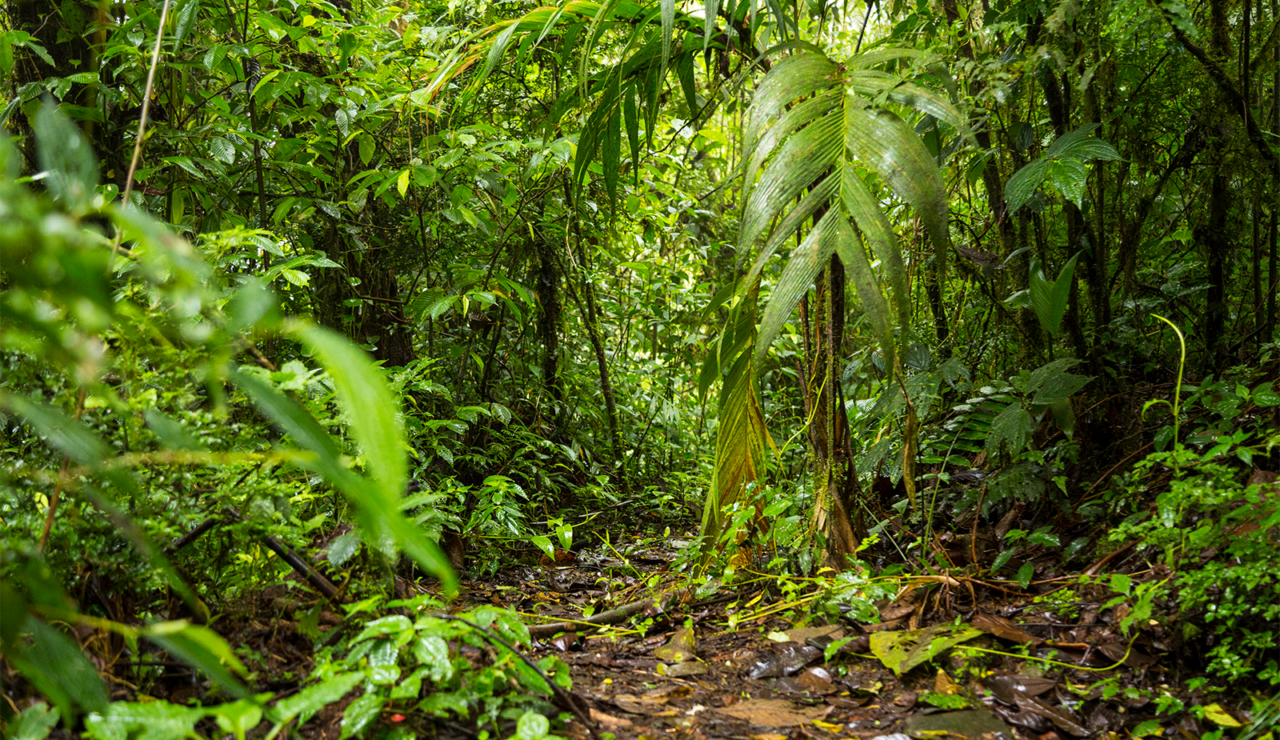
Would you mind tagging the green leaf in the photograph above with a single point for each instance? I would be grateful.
(1049, 301)
(54, 664)
(432, 652)
(343, 548)
(203, 649)
(1025, 574)
(1012, 426)
(531, 725)
(221, 149)
(154, 720)
(238, 717)
(1002, 559)
(900, 651)
(312, 699)
(188, 10)
(1081, 145)
(1024, 183)
(361, 714)
(33, 723)
(66, 155)
(371, 409)
(1069, 176)
(544, 544)
(376, 426)
(171, 433)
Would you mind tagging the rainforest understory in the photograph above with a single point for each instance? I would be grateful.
(727, 369)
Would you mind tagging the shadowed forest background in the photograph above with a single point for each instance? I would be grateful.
(358, 321)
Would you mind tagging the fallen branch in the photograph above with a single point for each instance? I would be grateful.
(613, 616)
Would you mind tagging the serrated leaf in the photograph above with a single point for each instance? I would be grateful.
(1012, 426)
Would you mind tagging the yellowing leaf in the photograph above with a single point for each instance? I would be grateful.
(1219, 716)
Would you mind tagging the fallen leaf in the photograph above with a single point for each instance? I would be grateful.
(607, 720)
(679, 649)
(904, 650)
(972, 723)
(773, 712)
(784, 661)
(1003, 628)
(1217, 715)
(943, 684)
(1059, 716)
(679, 670)
(803, 634)
(1007, 688)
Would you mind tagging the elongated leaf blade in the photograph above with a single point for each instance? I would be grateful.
(870, 219)
(854, 257)
(804, 265)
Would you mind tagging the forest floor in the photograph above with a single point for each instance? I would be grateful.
(950, 657)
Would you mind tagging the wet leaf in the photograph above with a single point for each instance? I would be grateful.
(773, 712)
(904, 650)
(1007, 688)
(1003, 628)
(1060, 717)
(784, 661)
(679, 649)
(680, 670)
(1219, 716)
(973, 723)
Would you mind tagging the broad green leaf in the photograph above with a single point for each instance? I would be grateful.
(1013, 426)
(1049, 300)
(201, 648)
(371, 409)
(360, 715)
(544, 544)
(36, 721)
(377, 509)
(531, 725)
(1068, 176)
(238, 717)
(1025, 574)
(432, 653)
(1059, 388)
(172, 433)
(54, 664)
(900, 651)
(1024, 183)
(66, 155)
(1080, 144)
(188, 10)
(153, 720)
(312, 699)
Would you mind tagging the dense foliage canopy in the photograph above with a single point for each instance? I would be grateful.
(356, 297)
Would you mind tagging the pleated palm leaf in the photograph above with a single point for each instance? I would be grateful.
(814, 128)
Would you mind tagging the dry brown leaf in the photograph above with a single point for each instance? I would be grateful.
(607, 720)
(1003, 628)
(774, 712)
